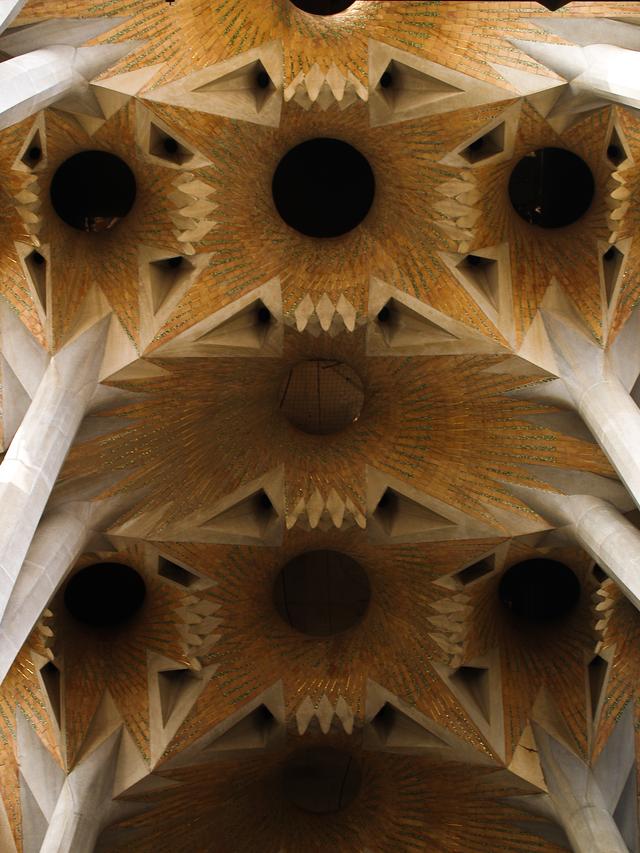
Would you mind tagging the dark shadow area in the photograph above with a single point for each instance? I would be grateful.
(104, 595)
(539, 591)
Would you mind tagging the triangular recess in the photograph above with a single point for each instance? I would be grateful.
(476, 571)
(395, 729)
(251, 732)
(403, 327)
(36, 265)
(248, 329)
(485, 146)
(597, 672)
(246, 87)
(617, 151)
(251, 517)
(173, 572)
(165, 275)
(165, 147)
(33, 153)
(611, 262)
(482, 273)
(400, 516)
(51, 680)
(177, 689)
(473, 683)
(405, 88)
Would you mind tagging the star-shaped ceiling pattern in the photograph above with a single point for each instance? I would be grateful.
(437, 692)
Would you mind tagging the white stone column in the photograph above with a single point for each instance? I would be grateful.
(39, 447)
(9, 9)
(84, 806)
(38, 79)
(577, 799)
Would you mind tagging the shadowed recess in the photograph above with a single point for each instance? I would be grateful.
(104, 595)
(539, 591)
(551, 187)
(92, 190)
(323, 187)
(321, 779)
(321, 396)
(323, 7)
(322, 593)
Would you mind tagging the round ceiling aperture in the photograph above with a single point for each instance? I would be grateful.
(322, 780)
(104, 595)
(321, 396)
(551, 187)
(322, 593)
(92, 190)
(323, 7)
(323, 187)
(539, 591)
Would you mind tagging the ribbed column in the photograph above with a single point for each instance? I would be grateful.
(614, 420)
(577, 799)
(35, 456)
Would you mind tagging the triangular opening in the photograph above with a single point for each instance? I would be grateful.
(249, 86)
(165, 147)
(36, 265)
(249, 517)
(475, 572)
(251, 732)
(398, 515)
(599, 574)
(402, 327)
(34, 152)
(395, 729)
(485, 146)
(404, 87)
(50, 675)
(174, 572)
(597, 673)
(473, 682)
(247, 329)
(483, 274)
(616, 149)
(164, 275)
(553, 5)
(625, 815)
(172, 686)
(611, 261)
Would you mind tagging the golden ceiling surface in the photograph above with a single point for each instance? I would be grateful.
(438, 692)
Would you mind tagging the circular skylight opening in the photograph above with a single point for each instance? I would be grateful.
(551, 187)
(104, 595)
(539, 591)
(321, 396)
(323, 7)
(323, 187)
(92, 190)
(322, 780)
(322, 593)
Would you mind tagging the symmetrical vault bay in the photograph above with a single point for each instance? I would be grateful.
(320, 480)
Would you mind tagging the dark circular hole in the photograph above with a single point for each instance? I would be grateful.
(34, 153)
(264, 315)
(609, 255)
(384, 314)
(92, 190)
(551, 187)
(104, 595)
(262, 80)
(321, 396)
(386, 80)
(170, 145)
(323, 7)
(323, 187)
(321, 779)
(539, 591)
(175, 262)
(37, 258)
(321, 593)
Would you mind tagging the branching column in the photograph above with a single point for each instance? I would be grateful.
(35, 456)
